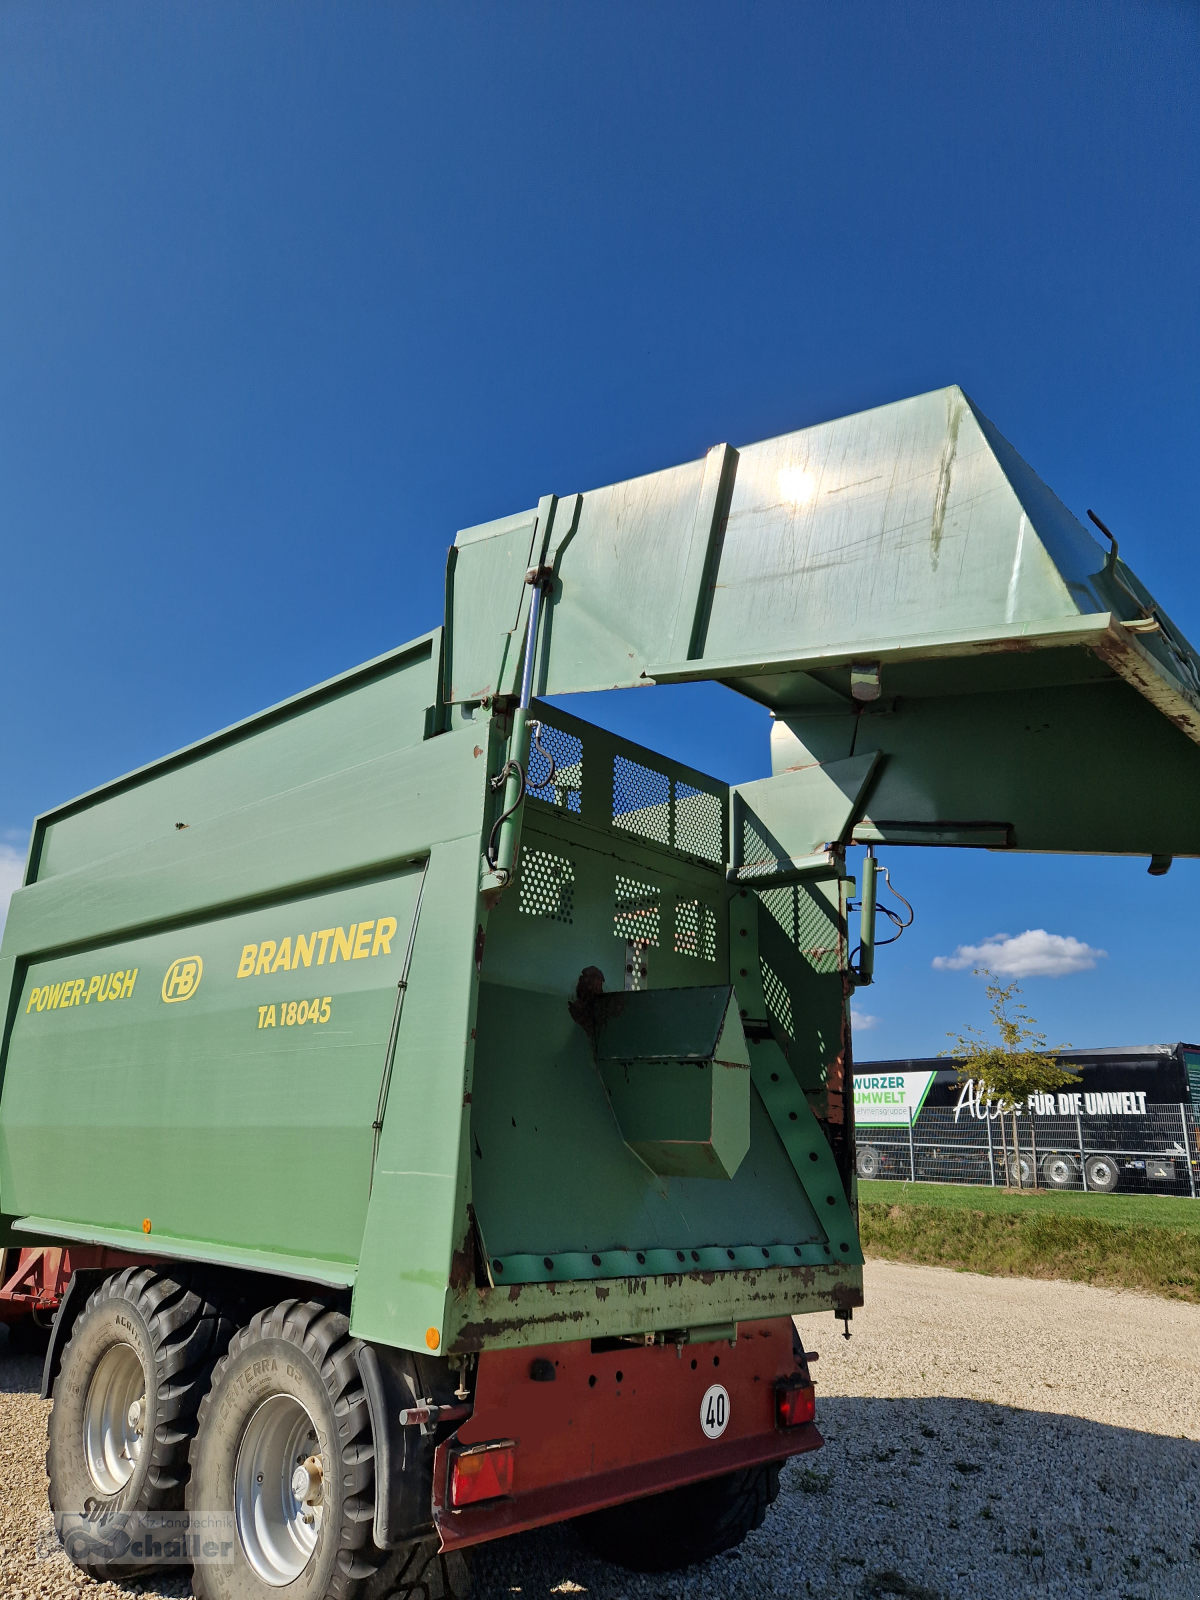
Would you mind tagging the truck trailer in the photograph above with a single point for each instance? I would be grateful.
(444, 1104)
(1127, 1121)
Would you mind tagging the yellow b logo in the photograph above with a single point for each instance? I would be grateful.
(182, 979)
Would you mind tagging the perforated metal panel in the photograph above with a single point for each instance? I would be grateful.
(667, 810)
(547, 885)
(698, 822)
(641, 800)
(638, 911)
(695, 930)
(560, 784)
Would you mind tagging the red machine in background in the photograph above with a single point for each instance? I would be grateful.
(34, 1280)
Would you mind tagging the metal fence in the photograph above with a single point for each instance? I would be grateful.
(1155, 1151)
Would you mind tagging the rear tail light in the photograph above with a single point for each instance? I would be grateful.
(484, 1472)
(795, 1404)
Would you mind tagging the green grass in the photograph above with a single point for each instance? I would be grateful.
(1146, 1210)
(1148, 1242)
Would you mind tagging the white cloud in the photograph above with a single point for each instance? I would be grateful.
(1032, 954)
(12, 870)
(863, 1020)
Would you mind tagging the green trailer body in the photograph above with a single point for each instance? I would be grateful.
(216, 1082)
(320, 996)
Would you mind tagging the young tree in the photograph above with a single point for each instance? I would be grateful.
(1014, 1066)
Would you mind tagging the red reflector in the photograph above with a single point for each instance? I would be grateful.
(794, 1406)
(484, 1473)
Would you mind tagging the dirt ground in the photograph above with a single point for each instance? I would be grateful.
(985, 1437)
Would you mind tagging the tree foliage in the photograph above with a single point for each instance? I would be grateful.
(1014, 1065)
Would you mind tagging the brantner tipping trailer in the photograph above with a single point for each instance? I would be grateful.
(460, 1091)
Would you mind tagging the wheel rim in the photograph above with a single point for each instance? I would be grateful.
(1059, 1172)
(278, 1490)
(114, 1418)
(1101, 1173)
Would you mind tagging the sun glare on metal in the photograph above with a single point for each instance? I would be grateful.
(796, 485)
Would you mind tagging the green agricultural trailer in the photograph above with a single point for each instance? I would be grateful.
(443, 1104)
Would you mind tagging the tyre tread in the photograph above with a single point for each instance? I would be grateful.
(168, 1303)
(323, 1334)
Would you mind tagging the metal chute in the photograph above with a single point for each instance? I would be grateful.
(898, 583)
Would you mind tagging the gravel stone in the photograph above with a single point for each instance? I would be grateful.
(987, 1439)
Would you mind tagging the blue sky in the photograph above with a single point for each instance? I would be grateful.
(289, 294)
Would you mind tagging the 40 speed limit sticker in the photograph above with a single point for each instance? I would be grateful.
(714, 1411)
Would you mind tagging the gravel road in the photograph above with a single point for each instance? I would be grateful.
(987, 1437)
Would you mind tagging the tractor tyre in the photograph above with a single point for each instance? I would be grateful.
(126, 1398)
(665, 1532)
(283, 1471)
